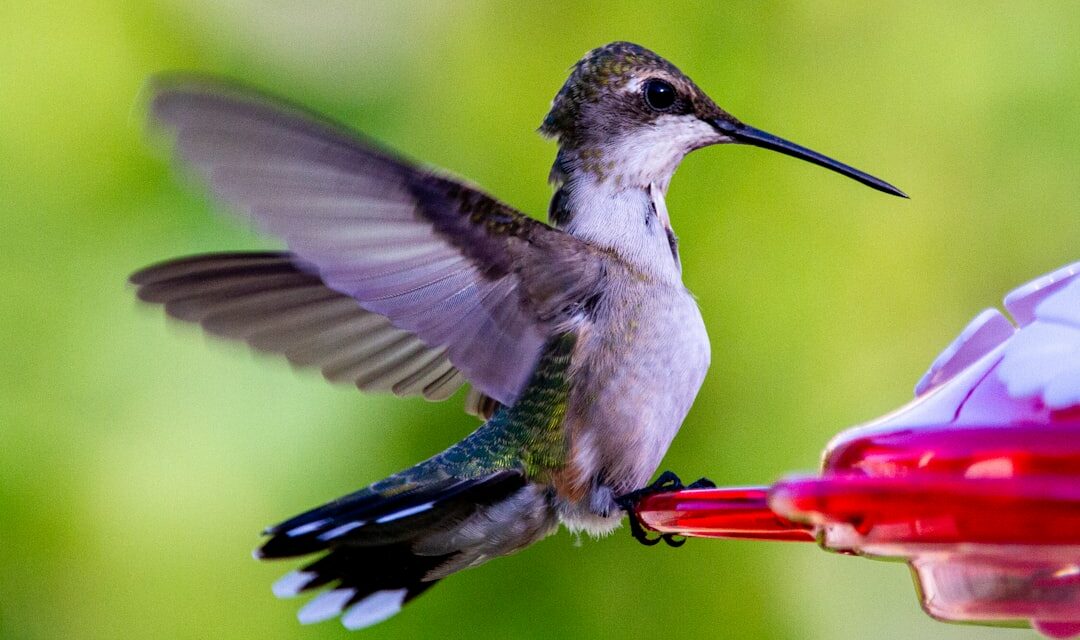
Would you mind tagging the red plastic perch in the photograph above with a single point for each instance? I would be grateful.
(976, 483)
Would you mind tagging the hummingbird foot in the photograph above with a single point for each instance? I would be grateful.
(667, 481)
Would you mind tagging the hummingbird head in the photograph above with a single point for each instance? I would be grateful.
(628, 115)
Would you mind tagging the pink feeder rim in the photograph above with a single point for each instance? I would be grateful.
(976, 483)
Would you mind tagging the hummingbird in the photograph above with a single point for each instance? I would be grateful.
(582, 348)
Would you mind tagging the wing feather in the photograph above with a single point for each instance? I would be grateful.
(268, 301)
(453, 271)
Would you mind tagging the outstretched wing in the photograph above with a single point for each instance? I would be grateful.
(440, 260)
(269, 301)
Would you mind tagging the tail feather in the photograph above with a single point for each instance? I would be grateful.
(382, 515)
(369, 584)
(376, 560)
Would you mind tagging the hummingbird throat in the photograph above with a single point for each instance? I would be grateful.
(613, 211)
(659, 209)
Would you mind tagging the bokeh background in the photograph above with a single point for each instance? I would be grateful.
(138, 460)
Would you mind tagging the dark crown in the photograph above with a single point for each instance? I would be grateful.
(596, 77)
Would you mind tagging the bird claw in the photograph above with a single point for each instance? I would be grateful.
(667, 481)
(702, 483)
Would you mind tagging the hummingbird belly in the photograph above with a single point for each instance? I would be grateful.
(642, 363)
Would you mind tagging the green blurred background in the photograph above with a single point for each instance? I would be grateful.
(138, 461)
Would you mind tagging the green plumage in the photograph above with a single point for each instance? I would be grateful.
(527, 436)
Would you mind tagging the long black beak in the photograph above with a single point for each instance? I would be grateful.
(746, 134)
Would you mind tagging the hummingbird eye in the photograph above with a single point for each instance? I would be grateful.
(659, 95)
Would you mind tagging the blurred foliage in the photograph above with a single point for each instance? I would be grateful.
(138, 461)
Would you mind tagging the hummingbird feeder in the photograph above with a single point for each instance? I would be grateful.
(975, 484)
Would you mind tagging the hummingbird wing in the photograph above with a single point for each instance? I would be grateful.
(439, 259)
(270, 301)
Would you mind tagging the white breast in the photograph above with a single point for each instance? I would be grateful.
(652, 352)
(640, 362)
